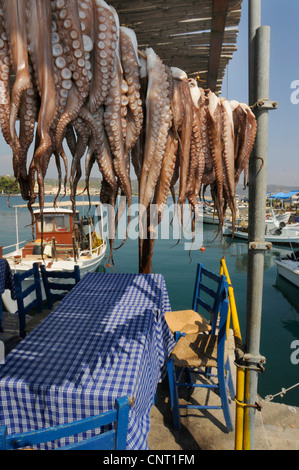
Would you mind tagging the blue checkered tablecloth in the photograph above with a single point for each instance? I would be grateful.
(107, 338)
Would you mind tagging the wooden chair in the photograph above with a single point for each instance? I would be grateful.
(22, 294)
(50, 285)
(113, 439)
(207, 296)
(200, 353)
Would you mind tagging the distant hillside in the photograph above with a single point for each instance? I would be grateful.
(95, 183)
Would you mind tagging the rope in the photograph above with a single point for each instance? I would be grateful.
(281, 393)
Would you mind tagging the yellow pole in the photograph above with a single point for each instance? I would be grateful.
(232, 303)
(240, 410)
(246, 432)
(241, 374)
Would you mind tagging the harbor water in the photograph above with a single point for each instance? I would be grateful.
(280, 311)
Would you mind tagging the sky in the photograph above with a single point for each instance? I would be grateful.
(283, 140)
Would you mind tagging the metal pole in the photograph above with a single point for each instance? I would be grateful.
(254, 22)
(17, 228)
(257, 216)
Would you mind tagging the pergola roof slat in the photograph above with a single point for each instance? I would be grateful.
(198, 36)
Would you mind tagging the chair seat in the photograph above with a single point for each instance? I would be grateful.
(196, 350)
(186, 321)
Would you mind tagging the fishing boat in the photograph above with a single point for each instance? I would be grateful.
(282, 235)
(277, 230)
(288, 267)
(65, 241)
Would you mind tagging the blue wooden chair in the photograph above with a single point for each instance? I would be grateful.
(206, 302)
(22, 294)
(113, 439)
(200, 353)
(50, 285)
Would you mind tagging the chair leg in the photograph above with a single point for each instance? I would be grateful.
(173, 394)
(230, 379)
(22, 323)
(224, 399)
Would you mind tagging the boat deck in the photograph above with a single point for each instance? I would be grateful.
(277, 425)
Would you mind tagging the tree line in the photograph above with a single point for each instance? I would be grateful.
(9, 185)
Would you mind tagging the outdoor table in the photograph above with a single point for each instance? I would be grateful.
(107, 338)
(6, 282)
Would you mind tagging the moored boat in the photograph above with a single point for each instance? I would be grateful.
(64, 241)
(278, 236)
(288, 267)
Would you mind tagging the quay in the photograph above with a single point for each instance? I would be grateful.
(277, 425)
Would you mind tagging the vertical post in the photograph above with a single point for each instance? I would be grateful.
(17, 228)
(74, 249)
(254, 19)
(54, 252)
(259, 63)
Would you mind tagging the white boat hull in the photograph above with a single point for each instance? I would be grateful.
(287, 236)
(86, 264)
(289, 270)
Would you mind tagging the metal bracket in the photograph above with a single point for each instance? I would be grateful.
(249, 361)
(264, 246)
(265, 104)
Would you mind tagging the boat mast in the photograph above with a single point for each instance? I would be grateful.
(17, 229)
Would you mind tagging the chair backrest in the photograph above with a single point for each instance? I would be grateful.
(35, 286)
(110, 439)
(50, 285)
(210, 290)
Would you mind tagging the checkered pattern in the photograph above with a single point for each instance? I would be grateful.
(6, 278)
(107, 338)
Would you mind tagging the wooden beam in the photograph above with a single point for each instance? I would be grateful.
(219, 14)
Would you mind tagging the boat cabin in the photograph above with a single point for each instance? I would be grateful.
(58, 225)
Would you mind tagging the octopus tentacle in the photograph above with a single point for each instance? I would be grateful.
(113, 127)
(185, 131)
(105, 44)
(214, 129)
(130, 64)
(250, 135)
(15, 15)
(197, 161)
(158, 122)
(229, 157)
(66, 13)
(137, 151)
(28, 115)
(39, 32)
(83, 133)
(5, 66)
(168, 164)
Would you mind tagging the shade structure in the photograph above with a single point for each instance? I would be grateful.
(197, 36)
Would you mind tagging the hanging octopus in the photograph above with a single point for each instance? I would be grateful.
(70, 74)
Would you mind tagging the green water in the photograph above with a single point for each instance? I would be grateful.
(280, 312)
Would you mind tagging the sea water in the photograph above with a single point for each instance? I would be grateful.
(280, 309)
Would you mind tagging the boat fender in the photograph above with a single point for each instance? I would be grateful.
(48, 251)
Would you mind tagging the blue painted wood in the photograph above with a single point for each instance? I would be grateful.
(219, 309)
(22, 294)
(51, 286)
(113, 439)
(215, 294)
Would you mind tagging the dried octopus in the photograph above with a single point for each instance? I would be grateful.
(75, 79)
